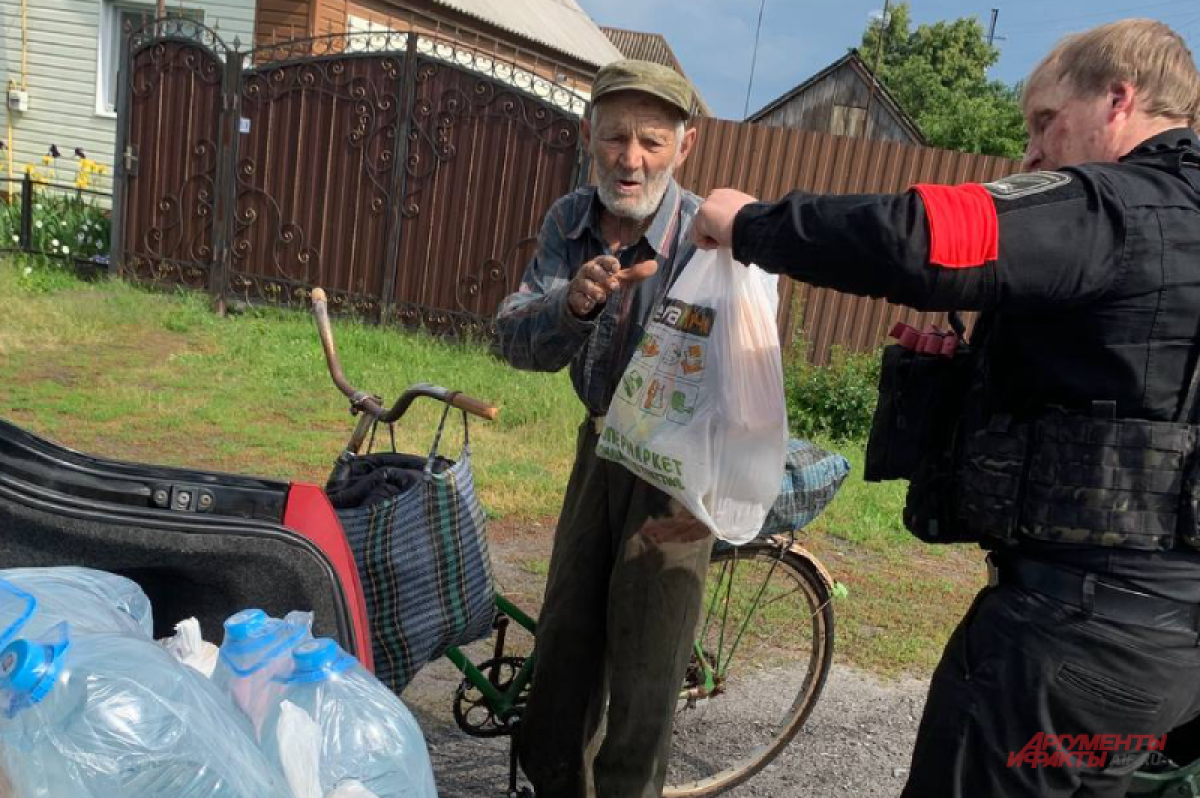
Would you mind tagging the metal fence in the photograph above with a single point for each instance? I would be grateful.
(406, 174)
(768, 162)
(63, 222)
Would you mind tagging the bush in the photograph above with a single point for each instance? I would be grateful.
(68, 224)
(834, 401)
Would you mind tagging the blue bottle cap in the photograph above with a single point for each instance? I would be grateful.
(245, 624)
(253, 639)
(22, 665)
(28, 669)
(316, 660)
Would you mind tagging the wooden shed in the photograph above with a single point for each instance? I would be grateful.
(836, 100)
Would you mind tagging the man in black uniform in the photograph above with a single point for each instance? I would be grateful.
(1078, 477)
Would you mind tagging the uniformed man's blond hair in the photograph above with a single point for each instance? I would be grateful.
(1143, 52)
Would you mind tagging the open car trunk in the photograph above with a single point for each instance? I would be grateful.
(200, 544)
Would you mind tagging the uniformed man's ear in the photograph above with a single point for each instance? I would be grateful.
(585, 131)
(1121, 99)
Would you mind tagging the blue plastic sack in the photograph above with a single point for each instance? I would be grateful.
(811, 478)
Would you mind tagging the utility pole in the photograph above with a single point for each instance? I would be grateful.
(883, 28)
(753, 59)
(992, 27)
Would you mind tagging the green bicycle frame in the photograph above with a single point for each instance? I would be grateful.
(500, 702)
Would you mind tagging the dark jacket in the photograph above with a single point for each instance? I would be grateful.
(1092, 275)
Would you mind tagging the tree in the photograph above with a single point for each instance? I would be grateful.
(938, 74)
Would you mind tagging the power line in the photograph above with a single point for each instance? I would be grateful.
(883, 30)
(1042, 24)
(754, 58)
(1183, 27)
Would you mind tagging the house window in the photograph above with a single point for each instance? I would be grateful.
(848, 120)
(116, 20)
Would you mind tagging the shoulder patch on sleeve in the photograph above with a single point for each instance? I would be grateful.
(1026, 184)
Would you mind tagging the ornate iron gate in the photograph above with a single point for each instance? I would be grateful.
(404, 173)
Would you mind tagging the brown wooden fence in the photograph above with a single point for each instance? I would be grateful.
(768, 162)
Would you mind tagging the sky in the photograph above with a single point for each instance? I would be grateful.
(714, 39)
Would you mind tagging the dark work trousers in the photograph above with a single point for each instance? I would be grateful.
(617, 624)
(1021, 663)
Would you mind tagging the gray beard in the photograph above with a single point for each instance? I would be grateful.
(640, 209)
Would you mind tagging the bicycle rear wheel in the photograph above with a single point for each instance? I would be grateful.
(766, 638)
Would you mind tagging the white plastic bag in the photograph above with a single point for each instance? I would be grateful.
(189, 647)
(299, 739)
(699, 413)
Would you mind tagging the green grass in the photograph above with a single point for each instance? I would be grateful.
(536, 566)
(115, 370)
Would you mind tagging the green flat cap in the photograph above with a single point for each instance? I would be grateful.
(645, 76)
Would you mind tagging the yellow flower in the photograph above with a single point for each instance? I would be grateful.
(46, 159)
(101, 169)
(29, 169)
(81, 182)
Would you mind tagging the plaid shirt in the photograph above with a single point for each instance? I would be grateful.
(537, 330)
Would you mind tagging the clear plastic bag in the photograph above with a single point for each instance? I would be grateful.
(93, 601)
(335, 723)
(101, 715)
(699, 413)
(256, 649)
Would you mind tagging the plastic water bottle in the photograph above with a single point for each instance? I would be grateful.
(257, 648)
(34, 600)
(113, 715)
(364, 732)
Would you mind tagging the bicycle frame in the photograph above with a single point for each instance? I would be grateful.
(503, 702)
(500, 702)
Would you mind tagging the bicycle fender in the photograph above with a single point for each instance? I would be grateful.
(807, 556)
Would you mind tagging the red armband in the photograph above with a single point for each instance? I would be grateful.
(964, 230)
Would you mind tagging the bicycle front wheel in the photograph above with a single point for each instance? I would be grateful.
(763, 651)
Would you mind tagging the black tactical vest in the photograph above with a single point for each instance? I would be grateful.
(1077, 425)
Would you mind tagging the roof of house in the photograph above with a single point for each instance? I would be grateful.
(559, 24)
(865, 74)
(650, 47)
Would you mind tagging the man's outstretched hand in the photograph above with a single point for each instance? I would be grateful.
(713, 225)
(598, 278)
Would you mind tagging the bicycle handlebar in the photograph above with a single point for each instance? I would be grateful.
(372, 405)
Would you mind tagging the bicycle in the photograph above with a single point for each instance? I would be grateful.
(750, 638)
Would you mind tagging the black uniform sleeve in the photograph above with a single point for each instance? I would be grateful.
(1027, 242)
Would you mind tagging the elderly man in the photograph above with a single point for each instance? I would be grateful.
(624, 589)
(1076, 456)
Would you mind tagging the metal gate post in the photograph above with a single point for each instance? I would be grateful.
(399, 184)
(225, 206)
(124, 159)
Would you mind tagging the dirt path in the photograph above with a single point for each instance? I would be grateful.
(856, 744)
